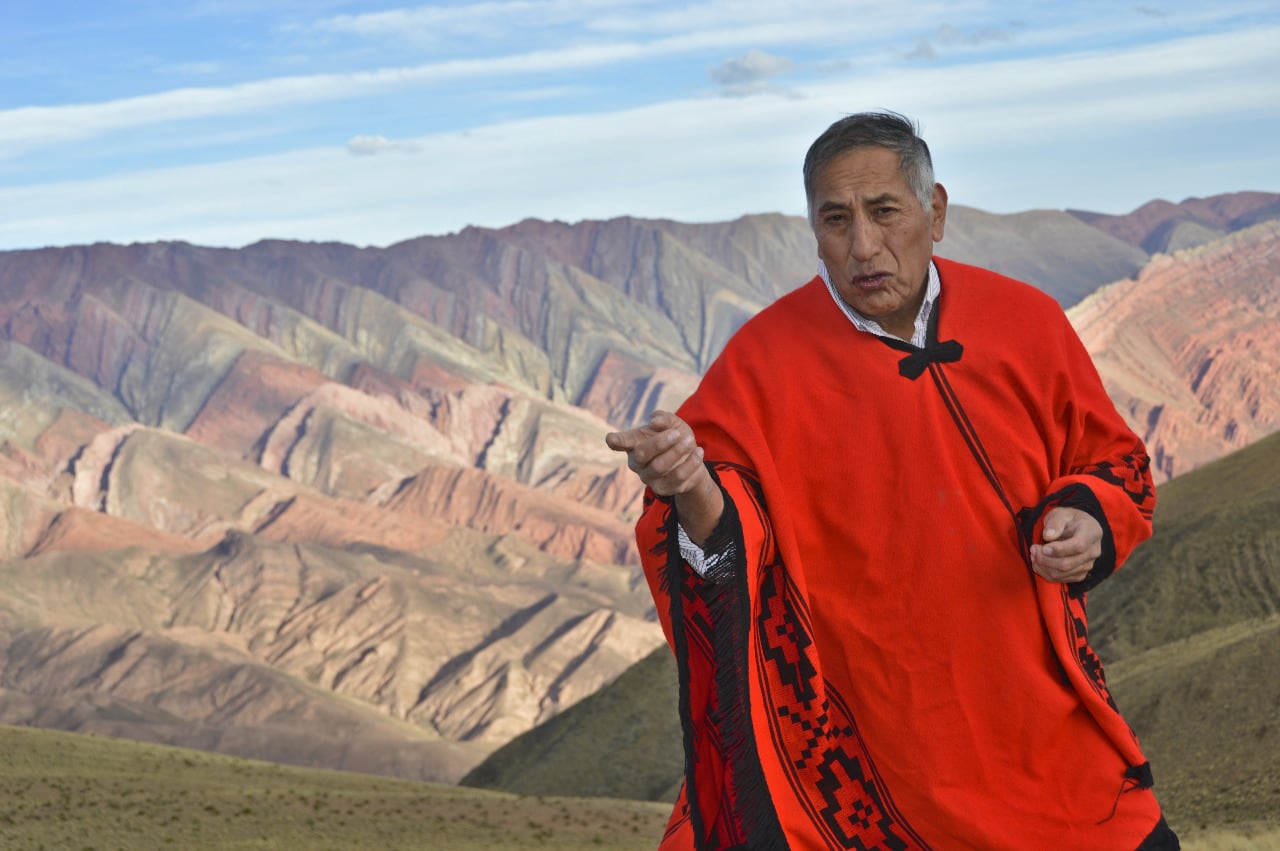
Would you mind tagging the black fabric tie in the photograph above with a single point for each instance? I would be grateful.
(914, 364)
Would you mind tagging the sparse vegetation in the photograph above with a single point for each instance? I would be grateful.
(1244, 838)
(67, 791)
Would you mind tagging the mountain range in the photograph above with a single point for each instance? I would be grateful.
(351, 507)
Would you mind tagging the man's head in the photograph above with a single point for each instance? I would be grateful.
(876, 213)
(873, 130)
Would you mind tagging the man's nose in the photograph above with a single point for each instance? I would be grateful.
(865, 240)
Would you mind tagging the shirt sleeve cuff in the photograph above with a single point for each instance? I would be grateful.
(715, 559)
(693, 554)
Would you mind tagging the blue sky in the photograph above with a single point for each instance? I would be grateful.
(222, 122)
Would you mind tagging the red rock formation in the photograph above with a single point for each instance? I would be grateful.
(626, 390)
(64, 437)
(82, 530)
(1187, 350)
(251, 399)
(475, 500)
(341, 523)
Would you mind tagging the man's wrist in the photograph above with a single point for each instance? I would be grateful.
(700, 508)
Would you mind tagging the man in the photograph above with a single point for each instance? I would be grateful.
(869, 535)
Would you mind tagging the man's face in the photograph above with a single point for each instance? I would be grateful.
(874, 236)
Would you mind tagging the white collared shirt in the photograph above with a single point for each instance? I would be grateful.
(862, 323)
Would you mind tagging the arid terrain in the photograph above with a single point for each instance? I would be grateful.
(351, 508)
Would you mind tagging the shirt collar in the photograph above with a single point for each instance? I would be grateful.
(870, 326)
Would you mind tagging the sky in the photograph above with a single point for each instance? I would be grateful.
(223, 122)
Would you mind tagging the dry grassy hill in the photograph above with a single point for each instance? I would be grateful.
(1193, 622)
(63, 790)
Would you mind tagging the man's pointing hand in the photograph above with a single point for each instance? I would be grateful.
(667, 458)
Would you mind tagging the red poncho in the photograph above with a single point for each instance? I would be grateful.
(880, 669)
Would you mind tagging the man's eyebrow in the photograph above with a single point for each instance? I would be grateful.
(882, 198)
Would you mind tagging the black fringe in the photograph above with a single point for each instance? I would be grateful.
(674, 589)
(725, 591)
(729, 603)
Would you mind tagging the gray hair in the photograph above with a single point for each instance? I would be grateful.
(873, 129)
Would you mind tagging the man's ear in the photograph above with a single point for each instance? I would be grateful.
(938, 211)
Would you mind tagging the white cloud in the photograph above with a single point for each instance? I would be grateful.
(367, 146)
(483, 20)
(949, 34)
(922, 51)
(1076, 130)
(496, 19)
(689, 30)
(754, 66)
(34, 127)
(861, 18)
(638, 162)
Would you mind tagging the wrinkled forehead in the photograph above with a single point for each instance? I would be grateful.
(859, 174)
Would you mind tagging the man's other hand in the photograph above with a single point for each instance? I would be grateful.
(1071, 542)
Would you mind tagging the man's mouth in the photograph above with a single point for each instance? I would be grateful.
(870, 282)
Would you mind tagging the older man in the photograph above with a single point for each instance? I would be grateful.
(870, 533)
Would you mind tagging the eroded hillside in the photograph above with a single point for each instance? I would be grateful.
(352, 507)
